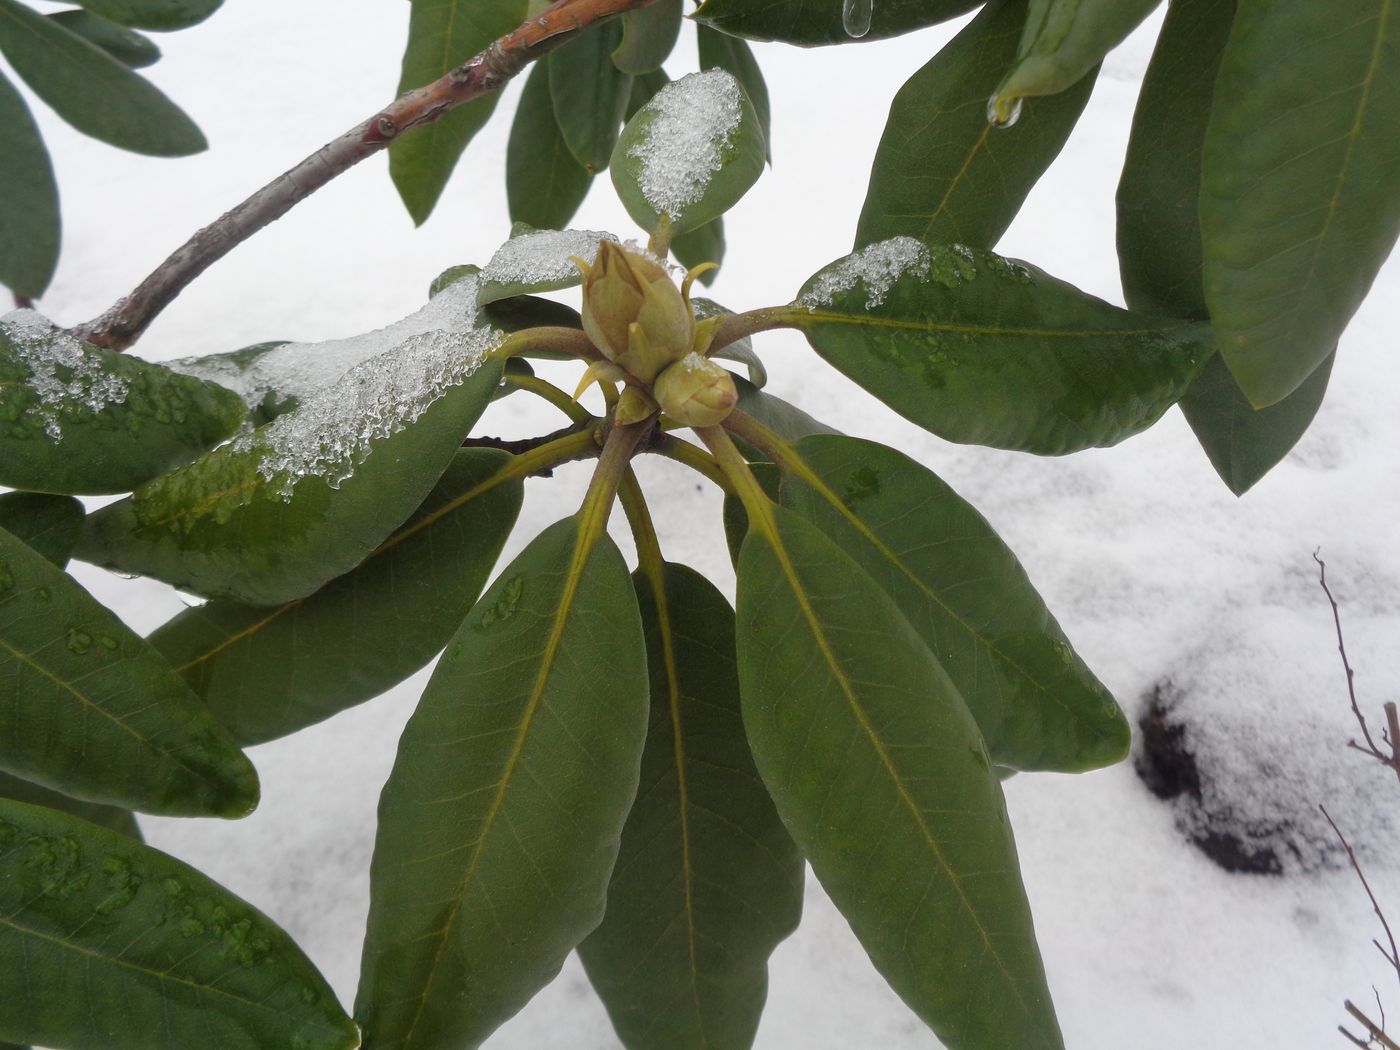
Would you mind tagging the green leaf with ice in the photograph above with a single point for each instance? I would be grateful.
(721, 51)
(812, 23)
(690, 153)
(985, 350)
(76, 419)
(278, 512)
(115, 944)
(93, 711)
(538, 261)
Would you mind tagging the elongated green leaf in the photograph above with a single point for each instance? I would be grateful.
(538, 261)
(1062, 41)
(48, 524)
(707, 881)
(442, 34)
(119, 820)
(881, 776)
(153, 14)
(110, 943)
(777, 415)
(721, 51)
(277, 513)
(590, 95)
(127, 46)
(812, 23)
(648, 35)
(499, 825)
(964, 592)
(92, 711)
(1301, 197)
(92, 90)
(689, 154)
(943, 174)
(545, 184)
(265, 672)
(77, 419)
(29, 222)
(985, 350)
(702, 245)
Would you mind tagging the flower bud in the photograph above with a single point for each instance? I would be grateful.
(634, 313)
(695, 391)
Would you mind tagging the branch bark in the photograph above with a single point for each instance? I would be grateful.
(122, 324)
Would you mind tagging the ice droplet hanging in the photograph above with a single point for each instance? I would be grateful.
(855, 17)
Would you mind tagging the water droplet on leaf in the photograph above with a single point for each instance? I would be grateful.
(1003, 113)
(79, 641)
(856, 16)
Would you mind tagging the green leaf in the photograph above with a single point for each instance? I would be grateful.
(76, 419)
(784, 419)
(277, 513)
(47, 524)
(442, 34)
(701, 245)
(590, 95)
(812, 23)
(721, 51)
(110, 817)
(962, 589)
(943, 173)
(95, 713)
(984, 350)
(499, 825)
(736, 519)
(1245, 443)
(520, 312)
(707, 881)
(265, 672)
(545, 184)
(882, 778)
(538, 261)
(689, 154)
(741, 350)
(643, 88)
(648, 35)
(29, 222)
(153, 14)
(91, 90)
(121, 945)
(127, 46)
(1301, 197)
(1062, 41)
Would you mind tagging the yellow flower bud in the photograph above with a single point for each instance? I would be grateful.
(634, 313)
(695, 391)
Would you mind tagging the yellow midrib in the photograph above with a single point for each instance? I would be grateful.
(818, 315)
(957, 180)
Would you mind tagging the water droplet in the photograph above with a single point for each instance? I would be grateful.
(504, 607)
(191, 928)
(107, 642)
(1062, 651)
(1003, 115)
(78, 641)
(6, 580)
(856, 16)
(42, 594)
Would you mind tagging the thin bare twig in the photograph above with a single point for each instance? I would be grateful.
(1393, 955)
(1377, 1032)
(481, 74)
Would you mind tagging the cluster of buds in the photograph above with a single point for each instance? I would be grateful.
(647, 330)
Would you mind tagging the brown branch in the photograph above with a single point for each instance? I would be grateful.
(1377, 1032)
(484, 72)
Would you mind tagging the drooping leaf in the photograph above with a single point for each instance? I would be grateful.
(812, 23)
(47, 524)
(545, 183)
(985, 350)
(130, 48)
(721, 51)
(1300, 202)
(590, 94)
(265, 671)
(943, 173)
(883, 779)
(153, 14)
(538, 261)
(519, 312)
(962, 589)
(91, 90)
(707, 881)
(92, 711)
(442, 34)
(29, 222)
(740, 350)
(110, 943)
(1062, 41)
(648, 35)
(701, 245)
(689, 154)
(500, 823)
(119, 820)
(76, 419)
(276, 514)
(779, 416)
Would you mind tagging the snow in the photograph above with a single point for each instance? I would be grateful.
(877, 266)
(692, 122)
(543, 257)
(1157, 574)
(62, 372)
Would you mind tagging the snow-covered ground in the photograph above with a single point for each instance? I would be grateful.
(1158, 574)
